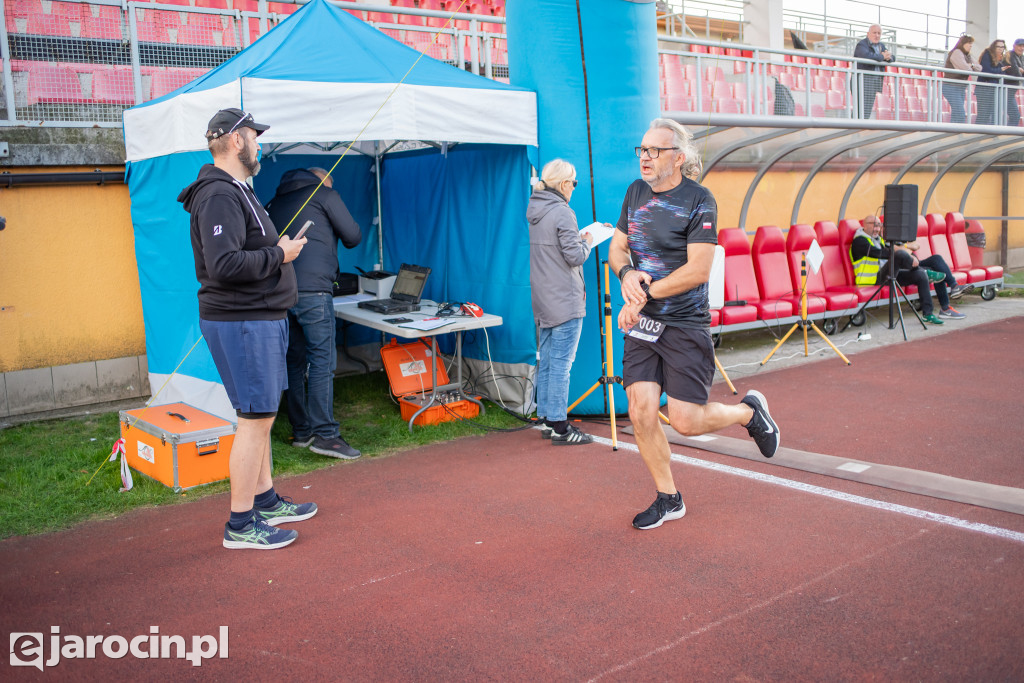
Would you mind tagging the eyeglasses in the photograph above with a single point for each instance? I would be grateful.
(1002, 45)
(246, 117)
(651, 152)
(573, 181)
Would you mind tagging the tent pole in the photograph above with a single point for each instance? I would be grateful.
(380, 226)
(593, 203)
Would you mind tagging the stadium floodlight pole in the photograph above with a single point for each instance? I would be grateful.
(593, 201)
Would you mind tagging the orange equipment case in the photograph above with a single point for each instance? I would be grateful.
(177, 444)
(409, 373)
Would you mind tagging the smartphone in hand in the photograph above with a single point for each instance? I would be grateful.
(302, 231)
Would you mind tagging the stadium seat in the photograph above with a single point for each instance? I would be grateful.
(48, 25)
(798, 241)
(741, 283)
(53, 85)
(674, 102)
(956, 233)
(940, 244)
(820, 84)
(110, 86)
(835, 265)
(835, 100)
(883, 107)
(977, 251)
(847, 229)
(103, 27)
(164, 82)
(772, 269)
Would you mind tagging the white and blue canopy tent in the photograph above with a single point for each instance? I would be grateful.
(454, 198)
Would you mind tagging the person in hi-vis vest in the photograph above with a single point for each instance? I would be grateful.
(870, 256)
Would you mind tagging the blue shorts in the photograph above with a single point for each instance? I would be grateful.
(250, 357)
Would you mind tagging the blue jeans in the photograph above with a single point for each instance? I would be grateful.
(954, 94)
(311, 345)
(557, 347)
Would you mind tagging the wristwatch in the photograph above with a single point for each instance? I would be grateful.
(647, 289)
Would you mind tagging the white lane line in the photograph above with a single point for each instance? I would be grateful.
(752, 608)
(998, 532)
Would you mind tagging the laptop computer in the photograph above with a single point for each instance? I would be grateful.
(405, 294)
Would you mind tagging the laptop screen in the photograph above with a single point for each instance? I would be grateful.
(410, 283)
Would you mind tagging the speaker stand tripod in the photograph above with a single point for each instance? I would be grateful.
(803, 322)
(894, 287)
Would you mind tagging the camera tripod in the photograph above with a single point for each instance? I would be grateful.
(894, 287)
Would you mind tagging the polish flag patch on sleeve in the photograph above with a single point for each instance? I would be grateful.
(707, 225)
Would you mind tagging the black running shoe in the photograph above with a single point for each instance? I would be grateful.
(664, 508)
(762, 427)
(572, 437)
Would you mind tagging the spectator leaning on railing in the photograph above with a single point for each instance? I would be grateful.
(959, 58)
(871, 48)
(995, 61)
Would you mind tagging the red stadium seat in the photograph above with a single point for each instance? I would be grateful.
(164, 82)
(53, 85)
(978, 252)
(798, 241)
(48, 25)
(111, 86)
(955, 232)
(772, 269)
(741, 283)
(835, 266)
(835, 99)
(940, 244)
(102, 27)
(847, 228)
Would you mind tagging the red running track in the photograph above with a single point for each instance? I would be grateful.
(502, 557)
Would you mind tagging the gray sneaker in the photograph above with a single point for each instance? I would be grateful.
(951, 313)
(302, 443)
(335, 447)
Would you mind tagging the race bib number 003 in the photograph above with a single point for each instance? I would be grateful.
(646, 329)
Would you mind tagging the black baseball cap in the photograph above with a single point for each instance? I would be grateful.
(229, 120)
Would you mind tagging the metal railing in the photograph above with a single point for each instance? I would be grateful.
(726, 78)
(83, 62)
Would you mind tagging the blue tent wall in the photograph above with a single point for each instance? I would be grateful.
(620, 41)
(163, 250)
(464, 215)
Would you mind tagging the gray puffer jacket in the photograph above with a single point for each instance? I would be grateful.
(557, 253)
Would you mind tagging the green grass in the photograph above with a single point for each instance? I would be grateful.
(44, 466)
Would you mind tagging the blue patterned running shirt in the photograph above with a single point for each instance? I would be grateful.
(658, 226)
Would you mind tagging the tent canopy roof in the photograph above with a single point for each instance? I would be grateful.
(323, 76)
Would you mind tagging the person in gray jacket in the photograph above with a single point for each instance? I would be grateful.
(557, 254)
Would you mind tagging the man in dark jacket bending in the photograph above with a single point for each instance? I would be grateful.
(308, 196)
(247, 285)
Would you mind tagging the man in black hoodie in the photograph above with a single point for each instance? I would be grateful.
(246, 286)
(309, 196)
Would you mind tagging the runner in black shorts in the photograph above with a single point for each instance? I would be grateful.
(662, 252)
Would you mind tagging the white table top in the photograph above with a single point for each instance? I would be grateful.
(351, 312)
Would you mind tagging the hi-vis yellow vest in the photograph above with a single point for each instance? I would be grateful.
(866, 269)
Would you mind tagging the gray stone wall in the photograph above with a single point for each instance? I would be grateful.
(59, 147)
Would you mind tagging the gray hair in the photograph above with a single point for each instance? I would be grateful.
(682, 139)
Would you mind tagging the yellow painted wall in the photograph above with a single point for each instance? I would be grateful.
(69, 288)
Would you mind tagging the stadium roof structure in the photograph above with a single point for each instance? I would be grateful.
(323, 76)
(766, 143)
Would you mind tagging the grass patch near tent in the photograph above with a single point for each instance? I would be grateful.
(44, 465)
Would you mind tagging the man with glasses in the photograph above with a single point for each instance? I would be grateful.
(871, 48)
(247, 284)
(662, 251)
(870, 256)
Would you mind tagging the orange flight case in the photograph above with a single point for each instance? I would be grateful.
(177, 444)
(409, 373)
